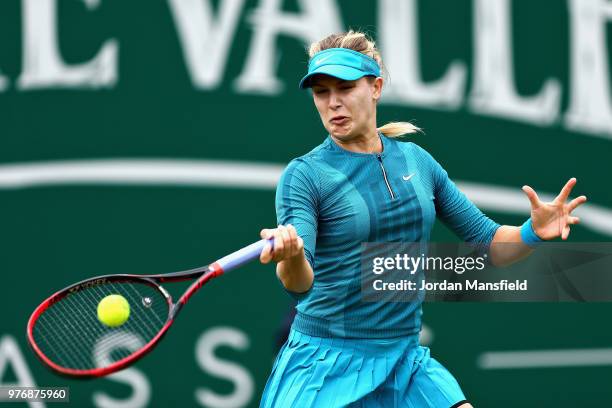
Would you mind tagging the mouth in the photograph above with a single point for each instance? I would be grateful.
(339, 120)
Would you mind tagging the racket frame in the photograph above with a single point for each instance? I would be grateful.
(203, 275)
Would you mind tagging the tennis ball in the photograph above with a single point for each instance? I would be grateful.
(113, 310)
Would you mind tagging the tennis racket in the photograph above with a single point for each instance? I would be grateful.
(67, 336)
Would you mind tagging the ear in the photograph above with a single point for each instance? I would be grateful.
(378, 86)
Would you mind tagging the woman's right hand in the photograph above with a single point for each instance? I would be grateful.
(287, 244)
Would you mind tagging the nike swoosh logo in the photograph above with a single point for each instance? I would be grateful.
(320, 60)
(406, 178)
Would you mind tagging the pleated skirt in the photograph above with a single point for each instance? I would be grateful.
(332, 372)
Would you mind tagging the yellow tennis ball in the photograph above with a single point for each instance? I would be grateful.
(113, 310)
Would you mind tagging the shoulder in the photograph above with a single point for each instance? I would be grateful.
(412, 150)
(304, 171)
(308, 165)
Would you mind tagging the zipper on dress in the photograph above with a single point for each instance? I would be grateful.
(378, 156)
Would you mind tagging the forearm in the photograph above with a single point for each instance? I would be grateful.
(507, 246)
(295, 273)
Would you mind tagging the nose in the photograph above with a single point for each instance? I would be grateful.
(334, 100)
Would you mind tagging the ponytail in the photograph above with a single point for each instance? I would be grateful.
(397, 129)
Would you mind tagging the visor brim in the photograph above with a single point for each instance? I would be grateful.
(338, 71)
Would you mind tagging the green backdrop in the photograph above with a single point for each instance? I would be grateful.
(55, 231)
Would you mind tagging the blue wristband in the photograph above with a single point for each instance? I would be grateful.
(528, 235)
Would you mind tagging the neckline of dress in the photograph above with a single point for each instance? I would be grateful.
(383, 140)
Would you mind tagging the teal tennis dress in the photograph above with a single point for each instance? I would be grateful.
(342, 351)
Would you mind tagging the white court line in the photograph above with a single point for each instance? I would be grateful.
(504, 360)
(239, 174)
(141, 172)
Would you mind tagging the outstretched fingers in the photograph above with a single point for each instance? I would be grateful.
(565, 232)
(532, 196)
(576, 202)
(566, 190)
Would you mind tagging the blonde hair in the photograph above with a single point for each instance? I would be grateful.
(360, 42)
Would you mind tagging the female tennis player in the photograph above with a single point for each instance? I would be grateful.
(363, 185)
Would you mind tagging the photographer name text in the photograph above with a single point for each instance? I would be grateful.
(408, 285)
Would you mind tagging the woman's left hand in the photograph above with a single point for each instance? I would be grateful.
(553, 219)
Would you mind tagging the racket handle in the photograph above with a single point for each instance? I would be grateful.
(244, 255)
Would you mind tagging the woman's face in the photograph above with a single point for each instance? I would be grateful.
(347, 108)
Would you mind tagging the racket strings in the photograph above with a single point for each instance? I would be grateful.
(69, 342)
(70, 335)
(134, 296)
(131, 340)
(58, 329)
(55, 342)
(94, 296)
(61, 342)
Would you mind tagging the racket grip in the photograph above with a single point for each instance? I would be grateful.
(244, 255)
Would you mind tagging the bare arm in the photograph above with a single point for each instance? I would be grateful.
(502, 254)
